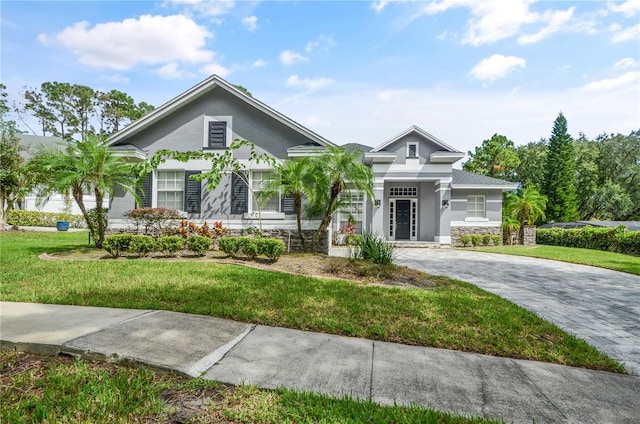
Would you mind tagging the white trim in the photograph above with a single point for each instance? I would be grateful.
(476, 223)
(228, 132)
(267, 215)
(419, 131)
(413, 223)
(417, 155)
(443, 239)
(475, 219)
(445, 157)
(503, 187)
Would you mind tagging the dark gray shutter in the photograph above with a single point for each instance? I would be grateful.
(239, 195)
(288, 205)
(144, 192)
(217, 134)
(192, 192)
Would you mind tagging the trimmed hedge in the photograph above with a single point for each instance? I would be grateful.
(117, 244)
(252, 247)
(199, 244)
(43, 219)
(617, 239)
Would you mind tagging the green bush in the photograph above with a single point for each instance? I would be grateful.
(374, 248)
(154, 221)
(117, 244)
(43, 219)
(170, 245)
(93, 217)
(271, 248)
(486, 239)
(476, 239)
(199, 245)
(249, 246)
(142, 245)
(496, 240)
(229, 245)
(465, 240)
(617, 239)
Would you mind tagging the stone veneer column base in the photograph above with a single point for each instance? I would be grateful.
(457, 232)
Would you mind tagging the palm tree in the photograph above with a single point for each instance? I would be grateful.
(334, 172)
(79, 167)
(526, 206)
(291, 179)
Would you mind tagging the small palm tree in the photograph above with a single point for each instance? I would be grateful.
(80, 167)
(334, 172)
(526, 206)
(291, 179)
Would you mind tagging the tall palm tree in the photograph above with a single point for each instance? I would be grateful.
(333, 173)
(79, 167)
(292, 180)
(526, 206)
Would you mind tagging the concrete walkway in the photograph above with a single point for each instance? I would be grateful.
(597, 305)
(233, 352)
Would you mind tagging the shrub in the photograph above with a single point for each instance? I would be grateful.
(170, 245)
(496, 240)
(117, 244)
(486, 239)
(476, 239)
(93, 217)
(249, 246)
(43, 219)
(271, 248)
(465, 240)
(374, 248)
(154, 221)
(142, 245)
(229, 245)
(198, 244)
(617, 239)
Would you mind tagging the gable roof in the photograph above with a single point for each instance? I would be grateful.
(463, 179)
(420, 132)
(201, 89)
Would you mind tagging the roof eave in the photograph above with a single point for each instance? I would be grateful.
(445, 157)
(502, 187)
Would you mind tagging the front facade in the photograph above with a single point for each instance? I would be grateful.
(418, 194)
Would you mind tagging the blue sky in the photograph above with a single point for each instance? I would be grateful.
(358, 71)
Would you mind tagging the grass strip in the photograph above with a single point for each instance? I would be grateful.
(453, 315)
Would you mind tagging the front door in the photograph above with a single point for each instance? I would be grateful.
(403, 219)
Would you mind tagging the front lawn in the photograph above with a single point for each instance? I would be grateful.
(599, 258)
(453, 315)
(63, 390)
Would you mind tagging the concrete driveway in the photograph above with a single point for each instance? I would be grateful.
(597, 305)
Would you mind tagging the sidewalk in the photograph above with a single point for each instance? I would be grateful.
(387, 373)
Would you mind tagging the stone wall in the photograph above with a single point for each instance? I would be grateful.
(526, 237)
(457, 232)
(291, 239)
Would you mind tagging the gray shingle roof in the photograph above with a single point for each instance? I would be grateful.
(463, 177)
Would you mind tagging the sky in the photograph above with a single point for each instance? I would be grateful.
(352, 71)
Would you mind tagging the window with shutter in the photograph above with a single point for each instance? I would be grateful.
(217, 134)
(144, 193)
(193, 191)
(239, 195)
(288, 205)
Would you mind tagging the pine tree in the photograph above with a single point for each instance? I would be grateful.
(560, 176)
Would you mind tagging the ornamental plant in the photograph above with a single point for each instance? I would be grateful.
(199, 245)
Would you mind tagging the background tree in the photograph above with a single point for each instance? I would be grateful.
(83, 166)
(336, 172)
(560, 179)
(532, 157)
(587, 176)
(496, 157)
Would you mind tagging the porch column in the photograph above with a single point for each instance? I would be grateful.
(377, 221)
(443, 211)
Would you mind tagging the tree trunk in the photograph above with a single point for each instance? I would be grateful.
(297, 204)
(77, 196)
(101, 228)
(326, 219)
(4, 213)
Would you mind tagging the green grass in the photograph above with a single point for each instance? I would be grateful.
(599, 258)
(454, 315)
(59, 390)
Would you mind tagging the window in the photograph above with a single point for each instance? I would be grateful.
(403, 191)
(259, 181)
(217, 134)
(475, 206)
(353, 210)
(171, 189)
(412, 150)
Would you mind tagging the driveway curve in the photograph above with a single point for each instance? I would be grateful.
(598, 305)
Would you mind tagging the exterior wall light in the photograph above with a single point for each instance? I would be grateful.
(377, 203)
(445, 203)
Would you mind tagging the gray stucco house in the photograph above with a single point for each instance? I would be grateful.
(418, 194)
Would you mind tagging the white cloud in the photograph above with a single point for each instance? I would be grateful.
(309, 83)
(378, 5)
(387, 95)
(250, 22)
(322, 42)
(289, 57)
(496, 66)
(216, 68)
(259, 64)
(625, 63)
(557, 21)
(629, 79)
(209, 8)
(122, 45)
(116, 78)
(627, 34)
(170, 71)
(628, 8)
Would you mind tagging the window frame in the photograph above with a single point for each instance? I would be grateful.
(179, 176)
(206, 139)
(253, 207)
(408, 152)
(472, 213)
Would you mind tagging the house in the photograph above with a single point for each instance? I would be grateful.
(418, 194)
